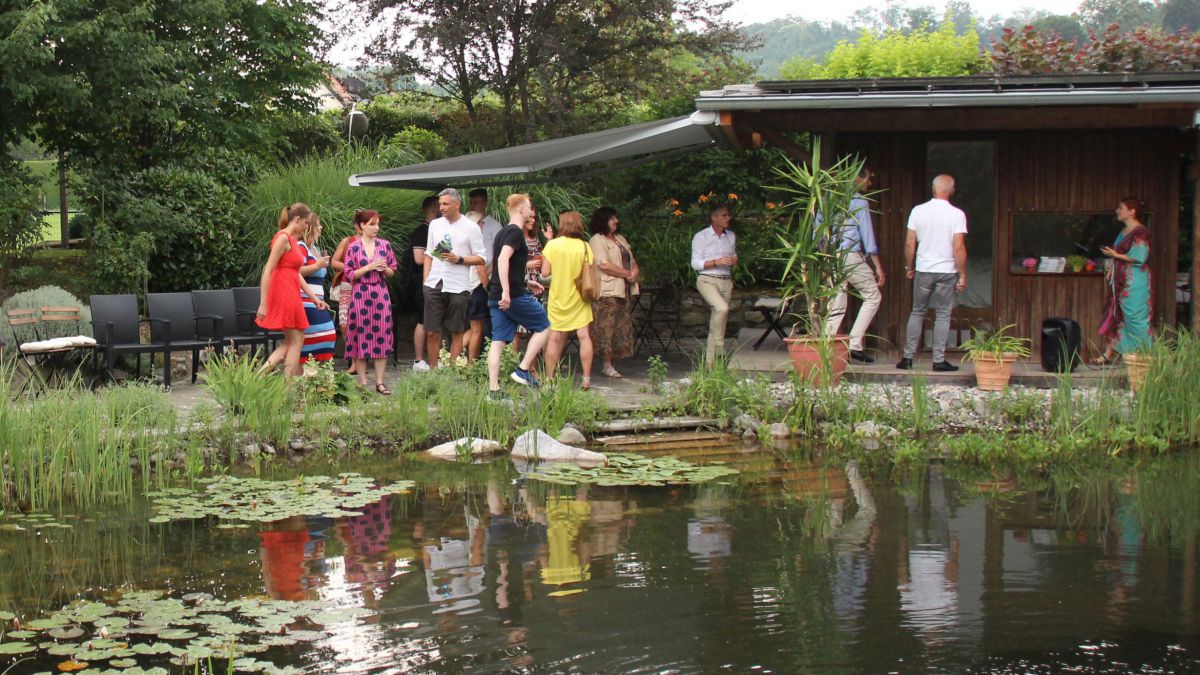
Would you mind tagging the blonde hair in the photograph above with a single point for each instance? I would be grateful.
(570, 224)
(514, 200)
(310, 231)
(473, 216)
(289, 213)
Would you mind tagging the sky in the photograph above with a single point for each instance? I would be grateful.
(758, 11)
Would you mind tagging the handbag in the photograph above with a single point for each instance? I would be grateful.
(588, 281)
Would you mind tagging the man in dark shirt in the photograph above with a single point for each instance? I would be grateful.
(510, 303)
(414, 279)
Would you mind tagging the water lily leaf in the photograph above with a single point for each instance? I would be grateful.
(7, 616)
(46, 624)
(123, 663)
(16, 647)
(22, 634)
(72, 665)
(65, 649)
(177, 634)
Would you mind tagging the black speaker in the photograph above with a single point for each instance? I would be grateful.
(1061, 343)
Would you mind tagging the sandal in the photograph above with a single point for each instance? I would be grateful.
(383, 389)
(612, 372)
(586, 384)
(1103, 360)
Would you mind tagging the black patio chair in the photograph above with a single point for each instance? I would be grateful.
(179, 326)
(222, 303)
(246, 299)
(115, 324)
(656, 317)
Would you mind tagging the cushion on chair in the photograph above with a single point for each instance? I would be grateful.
(57, 344)
(768, 303)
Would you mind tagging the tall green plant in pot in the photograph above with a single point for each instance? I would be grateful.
(815, 203)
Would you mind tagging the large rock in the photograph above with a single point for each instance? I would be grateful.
(479, 447)
(571, 435)
(538, 446)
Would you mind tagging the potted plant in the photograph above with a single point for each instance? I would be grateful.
(993, 355)
(1137, 363)
(816, 202)
(1076, 263)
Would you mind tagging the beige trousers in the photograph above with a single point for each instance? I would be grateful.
(717, 292)
(862, 278)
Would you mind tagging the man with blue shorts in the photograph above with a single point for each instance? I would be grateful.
(509, 301)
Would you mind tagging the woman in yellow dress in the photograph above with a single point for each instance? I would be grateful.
(563, 259)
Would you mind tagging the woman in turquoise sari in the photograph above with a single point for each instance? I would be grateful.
(1126, 324)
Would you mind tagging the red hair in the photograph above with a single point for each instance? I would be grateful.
(1134, 204)
(364, 216)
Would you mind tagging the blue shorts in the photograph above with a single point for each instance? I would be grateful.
(524, 310)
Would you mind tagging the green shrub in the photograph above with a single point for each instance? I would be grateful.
(20, 220)
(46, 296)
(261, 402)
(321, 182)
(428, 144)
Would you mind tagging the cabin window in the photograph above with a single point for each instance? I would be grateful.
(1041, 240)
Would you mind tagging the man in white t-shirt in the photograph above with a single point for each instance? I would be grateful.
(937, 232)
(455, 244)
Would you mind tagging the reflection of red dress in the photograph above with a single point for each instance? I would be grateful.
(283, 563)
(285, 309)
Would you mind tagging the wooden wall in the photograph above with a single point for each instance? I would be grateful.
(1035, 171)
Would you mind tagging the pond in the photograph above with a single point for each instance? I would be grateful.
(790, 566)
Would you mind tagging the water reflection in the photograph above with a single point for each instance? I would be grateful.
(801, 566)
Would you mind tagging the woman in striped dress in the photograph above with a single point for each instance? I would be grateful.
(320, 336)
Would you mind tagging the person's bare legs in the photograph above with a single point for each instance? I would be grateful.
(495, 353)
(516, 343)
(433, 347)
(380, 369)
(554, 349)
(474, 340)
(419, 342)
(456, 345)
(585, 352)
(293, 342)
(535, 347)
(360, 367)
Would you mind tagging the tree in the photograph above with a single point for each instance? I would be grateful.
(1099, 14)
(128, 84)
(20, 221)
(918, 54)
(1030, 52)
(1181, 15)
(556, 66)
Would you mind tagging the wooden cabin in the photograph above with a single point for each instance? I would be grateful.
(1039, 162)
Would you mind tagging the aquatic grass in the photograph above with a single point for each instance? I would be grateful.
(261, 403)
(75, 445)
(1167, 405)
(558, 402)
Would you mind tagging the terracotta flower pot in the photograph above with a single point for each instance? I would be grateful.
(993, 374)
(806, 354)
(1136, 366)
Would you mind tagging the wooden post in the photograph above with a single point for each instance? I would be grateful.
(64, 226)
(1195, 276)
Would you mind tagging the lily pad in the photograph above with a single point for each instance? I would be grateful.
(65, 633)
(16, 647)
(629, 469)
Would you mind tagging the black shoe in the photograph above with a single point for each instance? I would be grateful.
(905, 364)
(944, 367)
(861, 357)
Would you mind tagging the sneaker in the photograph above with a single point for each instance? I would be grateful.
(861, 356)
(498, 397)
(420, 366)
(522, 376)
(944, 367)
(905, 364)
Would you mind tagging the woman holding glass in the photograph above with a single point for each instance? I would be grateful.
(612, 331)
(564, 258)
(320, 338)
(370, 262)
(1126, 323)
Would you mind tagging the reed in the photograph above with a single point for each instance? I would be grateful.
(261, 403)
(558, 402)
(1166, 405)
(74, 445)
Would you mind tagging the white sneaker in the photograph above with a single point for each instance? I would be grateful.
(420, 366)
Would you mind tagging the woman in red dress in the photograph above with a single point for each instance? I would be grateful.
(281, 308)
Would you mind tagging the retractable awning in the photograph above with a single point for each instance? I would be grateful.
(641, 142)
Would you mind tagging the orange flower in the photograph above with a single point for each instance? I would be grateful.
(733, 196)
(674, 202)
(677, 212)
(771, 205)
(703, 198)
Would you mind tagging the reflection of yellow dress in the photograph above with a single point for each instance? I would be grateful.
(567, 309)
(564, 517)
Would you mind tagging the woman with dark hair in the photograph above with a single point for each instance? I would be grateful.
(1126, 324)
(320, 336)
(280, 307)
(564, 257)
(370, 262)
(612, 331)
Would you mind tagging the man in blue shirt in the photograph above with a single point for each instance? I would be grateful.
(858, 237)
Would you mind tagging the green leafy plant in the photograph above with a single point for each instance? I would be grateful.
(656, 373)
(262, 402)
(815, 203)
(1076, 263)
(995, 345)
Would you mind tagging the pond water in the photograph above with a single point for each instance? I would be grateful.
(792, 566)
